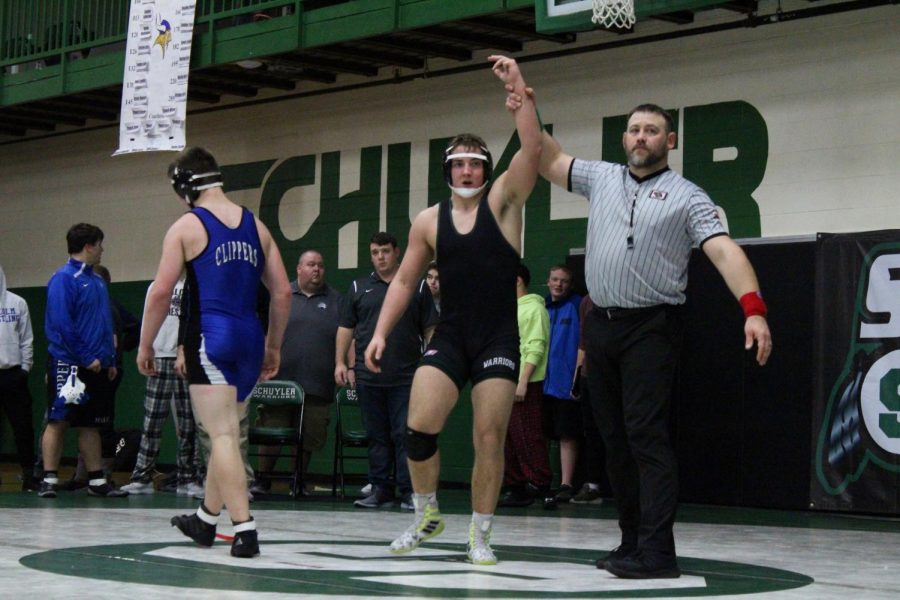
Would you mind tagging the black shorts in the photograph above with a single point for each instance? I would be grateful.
(562, 418)
(96, 410)
(462, 362)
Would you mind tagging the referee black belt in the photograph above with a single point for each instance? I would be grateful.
(614, 313)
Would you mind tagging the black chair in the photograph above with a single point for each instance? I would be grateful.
(349, 433)
(279, 393)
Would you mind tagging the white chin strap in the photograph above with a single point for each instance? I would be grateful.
(200, 188)
(208, 186)
(468, 192)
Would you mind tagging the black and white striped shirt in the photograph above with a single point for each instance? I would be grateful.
(640, 233)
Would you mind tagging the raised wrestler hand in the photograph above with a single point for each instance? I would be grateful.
(506, 69)
(756, 329)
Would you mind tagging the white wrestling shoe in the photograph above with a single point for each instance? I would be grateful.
(478, 549)
(428, 525)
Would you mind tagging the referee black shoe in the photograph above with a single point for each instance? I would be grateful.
(641, 566)
(617, 553)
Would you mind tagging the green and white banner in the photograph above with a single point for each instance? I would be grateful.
(856, 419)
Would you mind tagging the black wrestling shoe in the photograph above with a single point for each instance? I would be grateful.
(201, 532)
(245, 544)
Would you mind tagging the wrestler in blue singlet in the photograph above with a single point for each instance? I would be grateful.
(224, 339)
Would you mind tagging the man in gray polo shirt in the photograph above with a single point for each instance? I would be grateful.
(307, 357)
(643, 220)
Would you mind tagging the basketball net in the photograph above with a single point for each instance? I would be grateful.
(614, 14)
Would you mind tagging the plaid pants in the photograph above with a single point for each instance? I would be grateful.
(525, 451)
(165, 390)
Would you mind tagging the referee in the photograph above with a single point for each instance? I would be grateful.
(643, 220)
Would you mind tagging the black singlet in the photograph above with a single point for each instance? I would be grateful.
(478, 278)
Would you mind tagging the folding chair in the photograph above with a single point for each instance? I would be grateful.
(348, 433)
(277, 393)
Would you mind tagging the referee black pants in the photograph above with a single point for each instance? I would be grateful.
(631, 362)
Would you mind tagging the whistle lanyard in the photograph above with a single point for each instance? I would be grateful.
(630, 239)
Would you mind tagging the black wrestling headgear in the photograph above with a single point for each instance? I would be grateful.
(467, 141)
(193, 171)
(188, 184)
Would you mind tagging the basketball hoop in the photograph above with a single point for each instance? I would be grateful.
(614, 14)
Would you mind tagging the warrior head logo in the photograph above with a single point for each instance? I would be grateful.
(164, 36)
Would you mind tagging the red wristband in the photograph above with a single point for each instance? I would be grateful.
(753, 304)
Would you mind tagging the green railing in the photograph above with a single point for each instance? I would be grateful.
(50, 30)
(44, 29)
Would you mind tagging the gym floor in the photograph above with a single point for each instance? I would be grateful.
(76, 546)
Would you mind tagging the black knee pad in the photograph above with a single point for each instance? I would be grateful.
(420, 446)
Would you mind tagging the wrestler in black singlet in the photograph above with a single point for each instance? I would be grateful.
(478, 334)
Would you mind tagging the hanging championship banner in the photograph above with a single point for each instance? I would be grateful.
(856, 413)
(155, 83)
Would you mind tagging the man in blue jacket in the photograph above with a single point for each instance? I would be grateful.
(81, 348)
(562, 413)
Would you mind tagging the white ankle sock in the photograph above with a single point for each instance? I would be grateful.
(420, 501)
(482, 521)
(245, 526)
(205, 516)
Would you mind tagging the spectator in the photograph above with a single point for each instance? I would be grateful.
(167, 389)
(433, 279)
(127, 329)
(16, 360)
(593, 454)
(562, 413)
(383, 396)
(527, 473)
(81, 361)
(307, 357)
